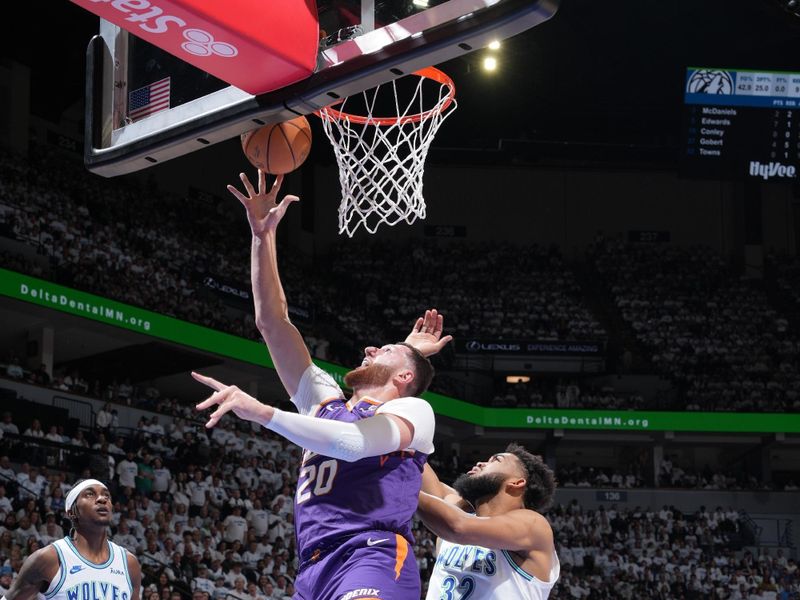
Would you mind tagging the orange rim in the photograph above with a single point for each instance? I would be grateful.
(427, 73)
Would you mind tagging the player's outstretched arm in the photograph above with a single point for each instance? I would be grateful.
(426, 334)
(378, 435)
(517, 530)
(431, 484)
(38, 569)
(286, 346)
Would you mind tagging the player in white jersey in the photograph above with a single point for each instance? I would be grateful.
(85, 565)
(505, 550)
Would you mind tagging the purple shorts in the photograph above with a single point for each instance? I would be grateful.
(373, 564)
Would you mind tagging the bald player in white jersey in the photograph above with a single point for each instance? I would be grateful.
(505, 550)
(85, 565)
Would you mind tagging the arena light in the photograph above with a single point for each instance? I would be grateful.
(495, 45)
(420, 3)
(490, 63)
(790, 6)
(517, 378)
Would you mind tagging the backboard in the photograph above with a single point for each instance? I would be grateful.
(145, 106)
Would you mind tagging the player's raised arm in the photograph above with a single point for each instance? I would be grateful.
(286, 346)
(426, 334)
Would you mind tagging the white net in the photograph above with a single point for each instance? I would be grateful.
(382, 159)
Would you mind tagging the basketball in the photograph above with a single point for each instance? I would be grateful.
(278, 148)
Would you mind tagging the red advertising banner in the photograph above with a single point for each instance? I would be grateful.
(254, 45)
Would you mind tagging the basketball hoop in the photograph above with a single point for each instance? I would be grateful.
(382, 158)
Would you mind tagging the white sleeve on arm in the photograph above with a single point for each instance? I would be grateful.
(315, 387)
(350, 442)
(420, 414)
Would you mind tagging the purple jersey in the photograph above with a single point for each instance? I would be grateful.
(337, 499)
(368, 566)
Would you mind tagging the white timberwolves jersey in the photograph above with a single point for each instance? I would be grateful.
(477, 573)
(80, 579)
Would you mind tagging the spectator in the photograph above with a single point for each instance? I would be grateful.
(104, 418)
(7, 425)
(235, 526)
(145, 476)
(127, 470)
(14, 369)
(202, 582)
(6, 578)
(162, 477)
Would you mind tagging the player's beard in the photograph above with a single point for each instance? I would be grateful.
(474, 487)
(368, 376)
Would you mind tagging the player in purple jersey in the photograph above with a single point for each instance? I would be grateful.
(362, 468)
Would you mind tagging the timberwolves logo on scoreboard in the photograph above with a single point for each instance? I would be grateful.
(710, 81)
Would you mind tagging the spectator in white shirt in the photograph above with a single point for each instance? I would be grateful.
(14, 370)
(125, 538)
(25, 530)
(53, 435)
(211, 548)
(5, 467)
(156, 428)
(251, 555)
(268, 591)
(180, 516)
(125, 390)
(79, 440)
(50, 532)
(5, 503)
(36, 484)
(258, 519)
(7, 425)
(35, 430)
(253, 593)
(162, 477)
(250, 449)
(118, 446)
(104, 417)
(246, 474)
(235, 526)
(220, 591)
(150, 555)
(127, 470)
(202, 582)
(50, 527)
(217, 494)
(234, 574)
(235, 499)
(280, 506)
(278, 528)
(198, 493)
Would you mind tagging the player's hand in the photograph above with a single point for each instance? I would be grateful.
(264, 212)
(426, 335)
(230, 398)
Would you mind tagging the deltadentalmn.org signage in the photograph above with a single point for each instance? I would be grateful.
(75, 302)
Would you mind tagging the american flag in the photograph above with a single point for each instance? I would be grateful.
(148, 99)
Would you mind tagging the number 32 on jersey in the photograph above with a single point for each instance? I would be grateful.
(453, 589)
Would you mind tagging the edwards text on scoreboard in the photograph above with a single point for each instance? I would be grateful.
(741, 124)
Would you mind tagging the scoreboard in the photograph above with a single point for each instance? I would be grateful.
(741, 124)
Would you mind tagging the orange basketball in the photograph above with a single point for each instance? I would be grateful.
(278, 148)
